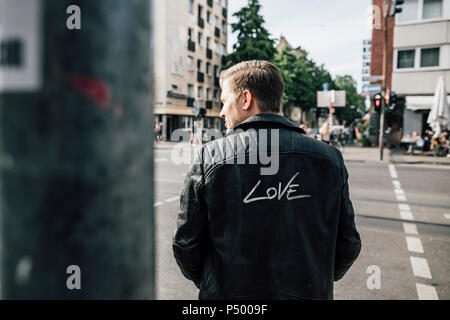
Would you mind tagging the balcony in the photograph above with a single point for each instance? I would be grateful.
(224, 60)
(200, 77)
(191, 46)
(210, 3)
(208, 53)
(209, 104)
(190, 102)
(201, 22)
(217, 32)
(224, 12)
(216, 82)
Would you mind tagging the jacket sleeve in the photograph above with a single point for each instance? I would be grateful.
(348, 245)
(190, 240)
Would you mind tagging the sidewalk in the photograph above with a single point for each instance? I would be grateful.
(359, 154)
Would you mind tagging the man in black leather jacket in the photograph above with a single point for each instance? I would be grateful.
(265, 211)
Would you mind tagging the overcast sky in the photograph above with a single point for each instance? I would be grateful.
(331, 31)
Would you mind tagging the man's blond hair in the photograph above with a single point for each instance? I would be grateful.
(261, 78)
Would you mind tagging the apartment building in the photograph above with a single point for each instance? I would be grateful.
(421, 56)
(366, 55)
(190, 41)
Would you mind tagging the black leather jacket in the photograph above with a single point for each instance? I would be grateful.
(242, 234)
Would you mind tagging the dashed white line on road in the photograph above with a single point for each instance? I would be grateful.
(410, 228)
(447, 215)
(399, 191)
(396, 184)
(172, 199)
(426, 292)
(158, 204)
(400, 197)
(414, 244)
(392, 171)
(406, 215)
(420, 267)
(404, 207)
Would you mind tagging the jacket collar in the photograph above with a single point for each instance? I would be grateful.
(267, 118)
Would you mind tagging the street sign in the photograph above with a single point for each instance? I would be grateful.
(373, 88)
(325, 86)
(335, 97)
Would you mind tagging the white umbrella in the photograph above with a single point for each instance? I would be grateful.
(439, 117)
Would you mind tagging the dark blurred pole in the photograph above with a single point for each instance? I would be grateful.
(386, 10)
(77, 159)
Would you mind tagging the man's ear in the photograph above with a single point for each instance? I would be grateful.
(248, 99)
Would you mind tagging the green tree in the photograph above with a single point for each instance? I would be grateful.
(253, 41)
(302, 78)
(355, 106)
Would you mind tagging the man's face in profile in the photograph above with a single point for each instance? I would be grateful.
(232, 110)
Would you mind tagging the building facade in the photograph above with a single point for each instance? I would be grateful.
(421, 56)
(366, 54)
(190, 41)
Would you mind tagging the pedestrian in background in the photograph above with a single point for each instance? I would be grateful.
(243, 233)
(324, 133)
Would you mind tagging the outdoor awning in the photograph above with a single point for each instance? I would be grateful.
(420, 102)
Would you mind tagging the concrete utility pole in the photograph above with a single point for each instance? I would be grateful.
(76, 152)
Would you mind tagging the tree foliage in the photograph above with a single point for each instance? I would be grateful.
(355, 106)
(253, 40)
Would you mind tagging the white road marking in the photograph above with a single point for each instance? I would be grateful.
(158, 204)
(392, 171)
(426, 292)
(420, 267)
(447, 215)
(410, 228)
(399, 191)
(400, 197)
(396, 184)
(404, 207)
(414, 244)
(406, 215)
(172, 199)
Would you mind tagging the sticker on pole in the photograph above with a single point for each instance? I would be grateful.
(20, 56)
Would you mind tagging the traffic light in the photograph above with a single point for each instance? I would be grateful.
(377, 103)
(392, 101)
(396, 7)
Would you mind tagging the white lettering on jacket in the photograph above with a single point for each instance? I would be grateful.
(271, 193)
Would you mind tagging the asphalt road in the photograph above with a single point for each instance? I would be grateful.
(402, 214)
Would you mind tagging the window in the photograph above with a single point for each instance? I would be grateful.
(200, 8)
(215, 94)
(200, 38)
(208, 16)
(216, 21)
(409, 11)
(405, 59)
(429, 57)
(208, 41)
(224, 3)
(190, 63)
(190, 90)
(208, 94)
(222, 50)
(432, 9)
(208, 68)
(191, 6)
(216, 71)
(224, 26)
(200, 93)
(199, 65)
(190, 34)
